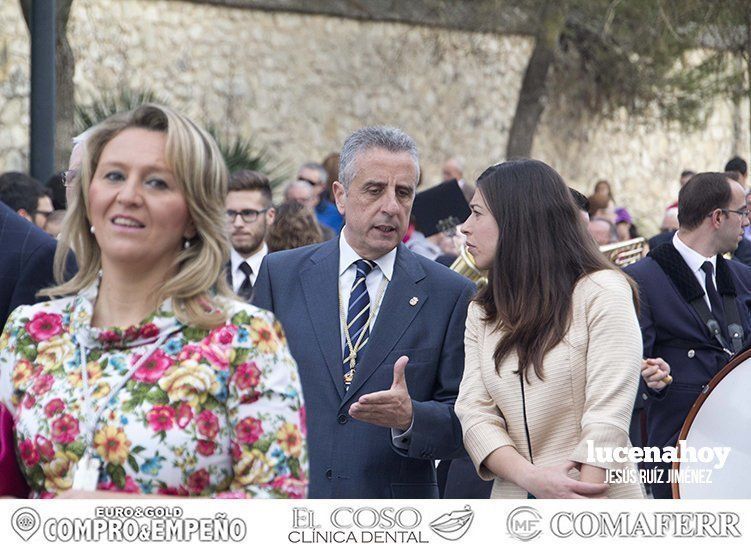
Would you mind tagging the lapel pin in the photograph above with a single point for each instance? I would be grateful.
(413, 301)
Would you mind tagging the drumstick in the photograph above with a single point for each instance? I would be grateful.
(667, 380)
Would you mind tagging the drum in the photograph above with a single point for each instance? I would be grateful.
(720, 418)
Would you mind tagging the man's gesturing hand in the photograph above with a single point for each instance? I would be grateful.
(391, 408)
(656, 373)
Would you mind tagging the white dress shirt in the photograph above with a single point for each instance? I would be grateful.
(238, 276)
(347, 273)
(694, 260)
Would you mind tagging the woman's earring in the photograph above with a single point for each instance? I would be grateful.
(91, 229)
(186, 244)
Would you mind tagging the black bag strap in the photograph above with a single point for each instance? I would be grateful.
(735, 331)
(700, 305)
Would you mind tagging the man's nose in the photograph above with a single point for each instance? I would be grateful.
(390, 204)
(238, 220)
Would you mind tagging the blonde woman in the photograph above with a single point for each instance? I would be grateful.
(145, 375)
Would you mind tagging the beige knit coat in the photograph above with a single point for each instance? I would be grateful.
(588, 391)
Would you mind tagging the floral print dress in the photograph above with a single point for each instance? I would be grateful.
(209, 413)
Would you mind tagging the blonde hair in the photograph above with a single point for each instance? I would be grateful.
(199, 168)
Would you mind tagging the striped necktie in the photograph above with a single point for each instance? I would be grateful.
(358, 313)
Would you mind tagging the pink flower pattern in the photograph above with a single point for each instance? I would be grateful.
(53, 407)
(64, 429)
(161, 418)
(44, 326)
(193, 399)
(153, 368)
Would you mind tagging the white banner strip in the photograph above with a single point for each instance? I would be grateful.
(372, 522)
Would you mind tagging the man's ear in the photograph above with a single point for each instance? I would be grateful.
(270, 215)
(714, 218)
(26, 215)
(340, 196)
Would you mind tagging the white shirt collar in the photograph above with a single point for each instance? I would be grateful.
(254, 260)
(347, 256)
(693, 258)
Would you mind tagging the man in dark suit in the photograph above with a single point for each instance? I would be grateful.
(694, 305)
(377, 332)
(26, 256)
(250, 214)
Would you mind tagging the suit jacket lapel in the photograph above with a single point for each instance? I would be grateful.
(683, 279)
(320, 284)
(394, 316)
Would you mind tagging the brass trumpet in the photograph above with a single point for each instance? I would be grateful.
(624, 253)
(465, 265)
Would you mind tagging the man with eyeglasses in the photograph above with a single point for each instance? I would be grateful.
(26, 196)
(325, 210)
(250, 213)
(694, 305)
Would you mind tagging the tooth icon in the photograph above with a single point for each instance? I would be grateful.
(454, 525)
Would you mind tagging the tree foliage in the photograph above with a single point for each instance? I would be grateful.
(639, 56)
(239, 152)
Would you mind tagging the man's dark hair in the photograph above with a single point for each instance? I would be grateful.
(582, 202)
(250, 180)
(703, 194)
(20, 191)
(687, 173)
(736, 164)
(56, 188)
(735, 176)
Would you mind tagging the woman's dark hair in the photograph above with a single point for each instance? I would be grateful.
(56, 187)
(543, 250)
(598, 202)
(294, 226)
(606, 183)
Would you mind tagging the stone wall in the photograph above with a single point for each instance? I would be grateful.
(300, 83)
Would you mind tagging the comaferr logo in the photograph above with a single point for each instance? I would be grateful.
(646, 524)
(454, 525)
(524, 523)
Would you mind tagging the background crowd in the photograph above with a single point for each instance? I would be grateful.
(165, 265)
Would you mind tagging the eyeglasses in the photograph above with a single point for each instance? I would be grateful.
(313, 183)
(68, 177)
(46, 215)
(744, 213)
(248, 216)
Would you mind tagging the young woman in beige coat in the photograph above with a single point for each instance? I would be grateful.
(553, 346)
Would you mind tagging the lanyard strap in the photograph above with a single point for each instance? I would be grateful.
(90, 423)
(371, 312)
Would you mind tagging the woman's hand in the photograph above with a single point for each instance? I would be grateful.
(553, 482)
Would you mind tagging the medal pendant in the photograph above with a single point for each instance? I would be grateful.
(86, 476)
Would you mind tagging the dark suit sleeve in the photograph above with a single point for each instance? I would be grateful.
(436, 431)
(648, 333)
(262, 288)
(743, 252)
(35, 274)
